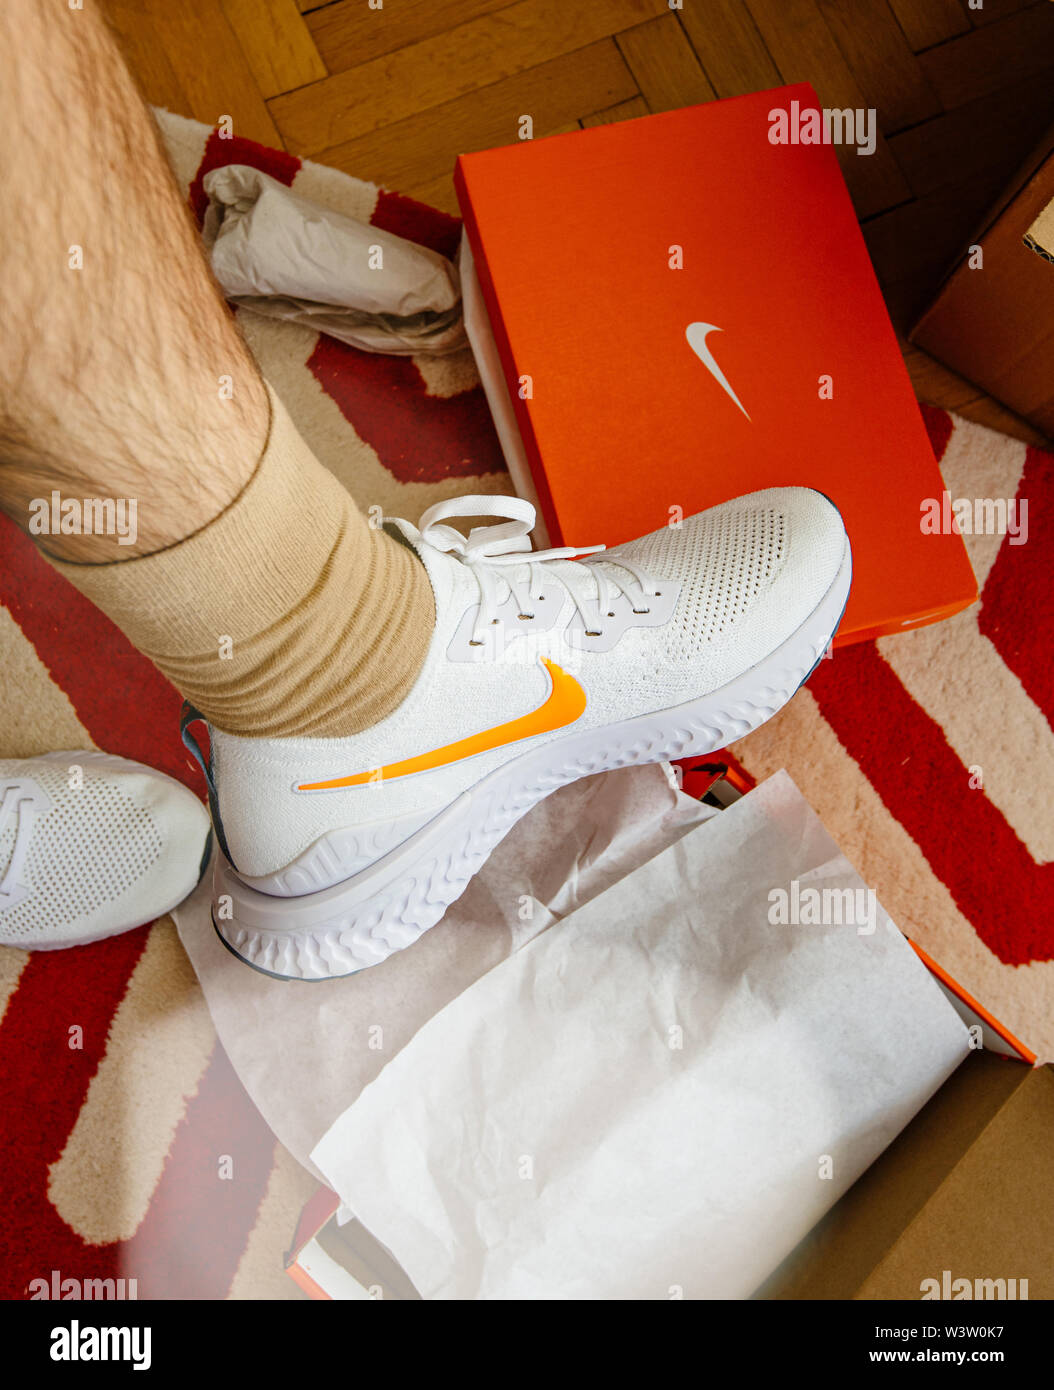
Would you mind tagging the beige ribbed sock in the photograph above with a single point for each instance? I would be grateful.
(287, 615)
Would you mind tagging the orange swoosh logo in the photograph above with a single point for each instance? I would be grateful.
(565, 703)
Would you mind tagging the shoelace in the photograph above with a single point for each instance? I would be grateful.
(15, 802)
(487, 549)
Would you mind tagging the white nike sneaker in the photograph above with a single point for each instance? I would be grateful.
(542, 669)
(92, 845)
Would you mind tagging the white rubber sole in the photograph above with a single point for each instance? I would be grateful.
(387, 907)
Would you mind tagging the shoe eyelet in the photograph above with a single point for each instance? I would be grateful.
(525, 617)
(473, 643)
(593, 634)
(642, 610)
(611, 615)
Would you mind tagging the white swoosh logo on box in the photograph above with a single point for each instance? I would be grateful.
(696, 333)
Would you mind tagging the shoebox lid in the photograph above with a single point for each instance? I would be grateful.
(961, 1204)
(597, 250)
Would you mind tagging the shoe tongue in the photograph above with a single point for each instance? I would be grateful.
(450, 581)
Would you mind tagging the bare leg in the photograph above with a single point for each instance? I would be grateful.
(109, 374)
(254, 582)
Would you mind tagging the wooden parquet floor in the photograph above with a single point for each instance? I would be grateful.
(393, 94)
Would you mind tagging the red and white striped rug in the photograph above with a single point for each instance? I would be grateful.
(929, 756)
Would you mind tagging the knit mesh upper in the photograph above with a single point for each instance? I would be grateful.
(726, 560)
(91, 847)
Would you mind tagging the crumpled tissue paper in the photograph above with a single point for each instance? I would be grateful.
(304, 1050)
(285, 257)
(659, 1096)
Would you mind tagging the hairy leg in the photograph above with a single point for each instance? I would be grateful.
(114, 338)
(254, 582)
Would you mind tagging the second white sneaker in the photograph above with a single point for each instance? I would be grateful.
(92, 845)
(543, 668)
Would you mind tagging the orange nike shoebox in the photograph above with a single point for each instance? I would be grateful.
(596, 260)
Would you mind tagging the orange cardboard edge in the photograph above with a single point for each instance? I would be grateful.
(316, 1211)
(909, 624)
(504, 347)
(308, 1284)
(717, 766)
(1025, 1053)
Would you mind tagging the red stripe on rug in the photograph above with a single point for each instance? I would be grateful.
(939, 426)
(43, 1084)
(1017, 606)
(417, 222)
(128, 708)
(197, 1225)
(995, 882)
(121, 698)
(195, 1232)
(419, 438)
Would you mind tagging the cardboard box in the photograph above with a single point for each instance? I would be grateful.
(961, 1204)
(993, 322)
(679, 311)
(966, 1191)
(1040, 236)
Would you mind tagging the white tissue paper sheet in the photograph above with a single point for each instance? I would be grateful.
(643, 1102)
(286, 257)
(304, 1050)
